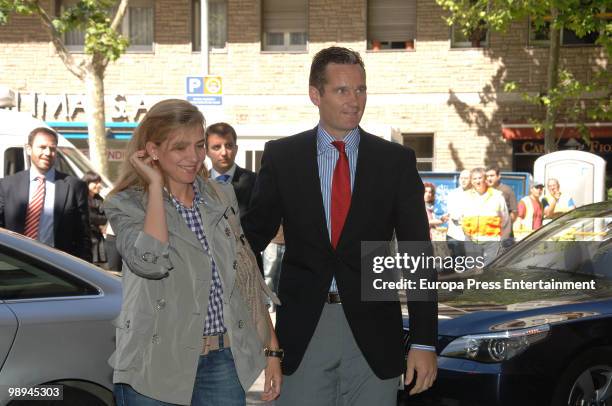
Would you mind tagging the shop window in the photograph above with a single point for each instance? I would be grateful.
(284, 25)
(217, 24)
(423, 146)
(391, 24)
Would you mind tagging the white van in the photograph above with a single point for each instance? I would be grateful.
(14, 129)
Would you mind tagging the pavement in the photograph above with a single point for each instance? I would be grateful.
(253, 396)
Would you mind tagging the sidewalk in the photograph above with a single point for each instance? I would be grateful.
(253, 396)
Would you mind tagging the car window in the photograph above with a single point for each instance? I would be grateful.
(580, 246)
(77, 159)
(22, 277)
(62, 165)
(13, 160)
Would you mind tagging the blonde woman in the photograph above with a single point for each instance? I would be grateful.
(183, 335)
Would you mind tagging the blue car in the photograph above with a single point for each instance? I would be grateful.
(533, 345)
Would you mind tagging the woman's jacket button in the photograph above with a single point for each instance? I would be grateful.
(228, 232)
(155, 339)
(149, 257)
(240, 323)
(160, 304)
(235, 264)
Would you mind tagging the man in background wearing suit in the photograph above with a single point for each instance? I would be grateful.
(221, 148)
(334, 187)
(45, 204)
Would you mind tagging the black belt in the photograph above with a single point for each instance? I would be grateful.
(333, 298)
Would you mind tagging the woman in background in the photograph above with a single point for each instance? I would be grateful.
(97, 218)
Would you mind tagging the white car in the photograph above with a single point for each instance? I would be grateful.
(55, 324)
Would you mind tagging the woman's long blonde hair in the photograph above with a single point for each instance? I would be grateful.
(160, 121)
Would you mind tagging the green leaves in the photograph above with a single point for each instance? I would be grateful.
(92, 17)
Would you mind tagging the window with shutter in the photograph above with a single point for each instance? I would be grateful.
(391, 24)
(284, 25)
(137, 26)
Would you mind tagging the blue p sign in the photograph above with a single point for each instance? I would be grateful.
(195, 85)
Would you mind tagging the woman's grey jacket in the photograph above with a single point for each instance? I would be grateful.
(165, 297)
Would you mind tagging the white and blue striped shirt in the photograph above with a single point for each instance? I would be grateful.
(327, 157)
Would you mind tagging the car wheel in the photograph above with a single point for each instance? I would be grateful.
(587, 380)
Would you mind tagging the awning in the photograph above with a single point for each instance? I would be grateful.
(527, 132)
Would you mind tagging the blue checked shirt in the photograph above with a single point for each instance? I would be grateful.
(213, 325)
(327, 156)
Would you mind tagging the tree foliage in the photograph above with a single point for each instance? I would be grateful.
(100, 20)
(564, 91)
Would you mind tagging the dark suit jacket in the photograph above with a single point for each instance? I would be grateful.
(70, 215)
(387, 196)
(243, 183)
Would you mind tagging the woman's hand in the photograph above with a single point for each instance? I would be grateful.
(147, 168)
(273, 379)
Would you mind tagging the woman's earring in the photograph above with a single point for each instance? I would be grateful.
(155, 157)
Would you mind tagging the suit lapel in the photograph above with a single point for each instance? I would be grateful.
(236, 177)
(61, 195)
(311, 185)
(23, 199)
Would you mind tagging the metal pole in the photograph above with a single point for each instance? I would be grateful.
(204, 35)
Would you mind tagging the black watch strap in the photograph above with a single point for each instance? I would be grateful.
(274, 353)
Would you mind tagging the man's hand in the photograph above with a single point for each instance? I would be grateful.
(425, 363)
(273, 379)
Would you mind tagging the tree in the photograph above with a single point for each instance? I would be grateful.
(103, 44)
(580, 16)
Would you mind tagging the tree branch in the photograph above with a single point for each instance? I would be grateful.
(117, 20)
(123, 5)
(60, 48)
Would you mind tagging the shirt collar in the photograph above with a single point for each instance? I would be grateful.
(214, 174)
(197, 198)
(49, 175)
(324, 140)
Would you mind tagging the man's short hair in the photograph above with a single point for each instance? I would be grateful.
(493, 168)
(339, 55)
(477, 170)
(222, 130)
(39, 130)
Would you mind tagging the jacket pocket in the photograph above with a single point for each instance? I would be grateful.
(133, 337)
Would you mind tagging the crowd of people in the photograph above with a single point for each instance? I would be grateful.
(484, 209)
(187, 332)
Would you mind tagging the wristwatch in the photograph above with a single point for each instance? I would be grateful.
(274, 353)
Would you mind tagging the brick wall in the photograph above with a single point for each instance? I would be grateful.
(452, 93)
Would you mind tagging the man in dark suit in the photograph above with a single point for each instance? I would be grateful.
(221, 148)
(45, 204)
(334, 187)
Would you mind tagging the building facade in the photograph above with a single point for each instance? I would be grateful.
(428, 86)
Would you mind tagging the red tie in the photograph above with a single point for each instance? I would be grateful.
(341, 193)
(35, 208)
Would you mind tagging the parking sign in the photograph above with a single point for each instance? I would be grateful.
(204, 90)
